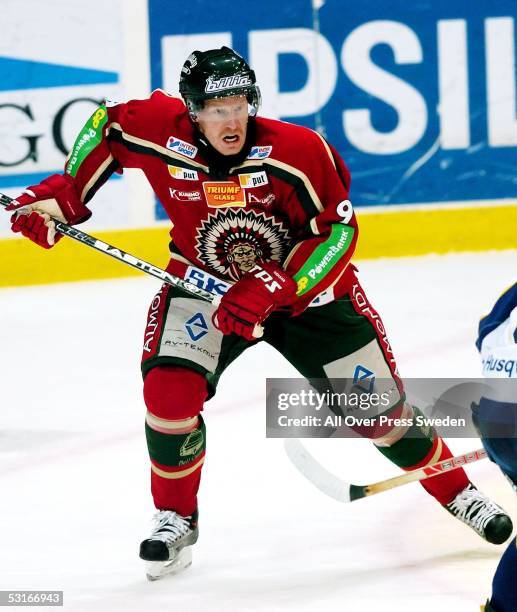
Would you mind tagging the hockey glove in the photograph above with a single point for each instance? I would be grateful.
(35, 209)
(256, 295)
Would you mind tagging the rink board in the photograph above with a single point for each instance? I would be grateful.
(387, 234)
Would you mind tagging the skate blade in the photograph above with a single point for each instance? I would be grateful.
(158, 569)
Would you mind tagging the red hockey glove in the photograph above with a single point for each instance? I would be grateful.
(256, 295)
(35, 209)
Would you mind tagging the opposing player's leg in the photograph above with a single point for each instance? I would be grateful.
(183, 357)
(504, 593)
(348, 335)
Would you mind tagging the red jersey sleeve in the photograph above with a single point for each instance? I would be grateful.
(113, 137)
(319, 260)
(91, 161)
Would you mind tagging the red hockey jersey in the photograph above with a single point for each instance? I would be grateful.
(287, 201)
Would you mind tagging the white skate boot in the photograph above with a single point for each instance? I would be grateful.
(477, 511)
(167, 550)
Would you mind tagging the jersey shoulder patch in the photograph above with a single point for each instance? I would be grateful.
(288, 141)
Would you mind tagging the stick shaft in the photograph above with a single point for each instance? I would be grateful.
(342, 491)
(135, 262)
(447, 465)
(126, 258)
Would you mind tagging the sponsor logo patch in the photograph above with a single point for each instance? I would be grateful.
(206, 281)
(223, 194)
(193, 443)
(181, 147)
(196, 326)
(364, 379)
(330, 255)
(266, 201)
(255, 179)
(503, 367)
(87, 140)
(185, 196)
(302, 283)
(260, 152)
(183, 173)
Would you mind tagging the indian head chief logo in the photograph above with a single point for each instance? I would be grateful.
(232, 242)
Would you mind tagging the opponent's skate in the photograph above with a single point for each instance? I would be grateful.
(476, 510)
(167, 550)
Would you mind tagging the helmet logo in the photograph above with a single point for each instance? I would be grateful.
(228, 82)
(190, 62)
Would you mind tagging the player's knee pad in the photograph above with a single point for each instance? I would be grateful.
(174, 394)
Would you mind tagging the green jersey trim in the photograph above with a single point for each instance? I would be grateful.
(324, 257)
(89, 137)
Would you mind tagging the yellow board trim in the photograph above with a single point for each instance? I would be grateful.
(24, 263)
(425, 231)
(383, 234)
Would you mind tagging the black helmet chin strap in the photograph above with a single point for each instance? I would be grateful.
(218, 163)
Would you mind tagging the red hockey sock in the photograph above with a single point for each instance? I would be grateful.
(446, 486)
(175, 435)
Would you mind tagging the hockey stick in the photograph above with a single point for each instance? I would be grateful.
(345, 492)
(134, 262)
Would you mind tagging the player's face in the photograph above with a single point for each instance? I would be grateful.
(224, 123)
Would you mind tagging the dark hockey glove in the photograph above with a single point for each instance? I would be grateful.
(253, 298)
(35, 209)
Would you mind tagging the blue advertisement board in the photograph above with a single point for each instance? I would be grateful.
(419, 98)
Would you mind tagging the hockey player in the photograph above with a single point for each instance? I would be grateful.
(497, 343)
(261, 216)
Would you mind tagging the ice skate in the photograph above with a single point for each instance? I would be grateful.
(167, 550)
(477, 511)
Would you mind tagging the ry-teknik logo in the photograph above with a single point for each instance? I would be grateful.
(196, 327)
(364, 378)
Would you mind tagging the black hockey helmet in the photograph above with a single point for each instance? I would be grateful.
(217, 73)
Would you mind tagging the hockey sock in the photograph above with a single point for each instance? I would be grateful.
(418, 448)
(176, 460)
(176, 436)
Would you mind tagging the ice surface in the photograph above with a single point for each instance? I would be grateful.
(74, 473)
